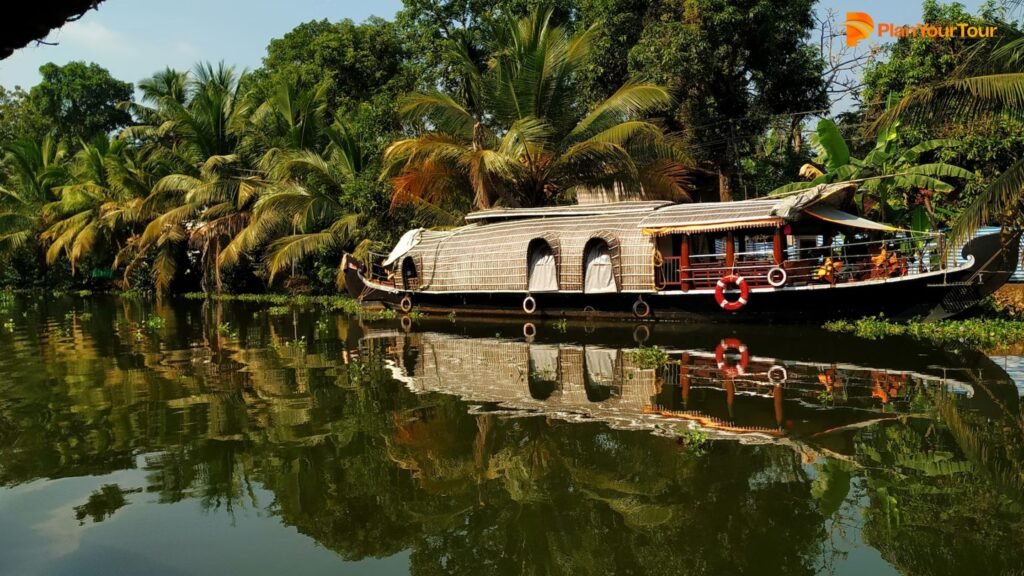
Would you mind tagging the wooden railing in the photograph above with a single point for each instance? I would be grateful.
(838, 263)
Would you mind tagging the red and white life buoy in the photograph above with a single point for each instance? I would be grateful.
(732, 344)
(740, 284)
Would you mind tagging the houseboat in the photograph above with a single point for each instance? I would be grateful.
(803, 257)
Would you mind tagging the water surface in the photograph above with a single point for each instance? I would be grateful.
(192, 438)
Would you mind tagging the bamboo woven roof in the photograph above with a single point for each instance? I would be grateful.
(492, 252)
(494, 256)
(572, 210)
(717, 216)
(712, 216)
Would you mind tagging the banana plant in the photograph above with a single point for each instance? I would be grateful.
(894, 182)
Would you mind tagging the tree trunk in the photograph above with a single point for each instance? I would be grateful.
(797, 138)
(216, 267)
(724, 187)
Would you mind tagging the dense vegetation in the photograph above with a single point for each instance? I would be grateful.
(220, 180)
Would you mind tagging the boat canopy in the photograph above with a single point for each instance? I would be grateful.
(711, 217)
(407, 242)
(722, 216)
(571, 210)
(836, 216)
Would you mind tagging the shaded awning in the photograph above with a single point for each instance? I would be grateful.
(830, 214)
(742, 214)
(715, 226)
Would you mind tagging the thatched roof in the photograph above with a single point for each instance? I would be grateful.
(25, 23)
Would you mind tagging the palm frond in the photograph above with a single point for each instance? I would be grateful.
(284, 252)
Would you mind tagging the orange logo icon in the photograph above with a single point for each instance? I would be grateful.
(858, 27)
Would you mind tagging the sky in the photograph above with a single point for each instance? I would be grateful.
(135, 38)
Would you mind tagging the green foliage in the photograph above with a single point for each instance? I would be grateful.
(649, 357)
(969, 90)
(733, 66)
(354, 63)
(225, 329)
(154, 322)
(983, 333)
(18, 118)
(349, 134)
(901, 187)
(81, 100)
(561, 325)
(694, 439)
(513, 134)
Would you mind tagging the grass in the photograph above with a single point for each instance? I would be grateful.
(648, 357)
(562, 325)
(281, 303)
(983, 333)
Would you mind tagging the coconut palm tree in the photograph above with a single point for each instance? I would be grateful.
(38, 169)
(988, 85)
(306, 209)
(102, 208)
(209, 200)
(516, 135)
(291, 118)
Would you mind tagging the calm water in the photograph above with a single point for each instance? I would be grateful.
(230, 439)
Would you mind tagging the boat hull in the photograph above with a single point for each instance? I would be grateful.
(934, 296)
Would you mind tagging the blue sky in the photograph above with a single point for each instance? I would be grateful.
(135, 38)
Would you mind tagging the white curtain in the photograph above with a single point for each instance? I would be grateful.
(599, 276)
(543, 270)
(544, 362)
(601, 365)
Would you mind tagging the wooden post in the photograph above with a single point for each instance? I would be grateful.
(684, 377)
(730, 251)
(684, 263)
(777, 247)
(777, 401)
(730, 395)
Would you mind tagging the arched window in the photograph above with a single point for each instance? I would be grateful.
(599, 376)
(598, 268)
(543, 378)
(542, 267)
(410, 276)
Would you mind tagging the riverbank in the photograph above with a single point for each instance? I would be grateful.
(985, 334)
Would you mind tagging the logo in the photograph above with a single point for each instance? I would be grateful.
(859, 26)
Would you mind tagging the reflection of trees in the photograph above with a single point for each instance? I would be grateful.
(103, 503)
(367, 468)
(932, 506)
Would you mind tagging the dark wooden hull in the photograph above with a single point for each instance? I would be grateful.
(931, 295)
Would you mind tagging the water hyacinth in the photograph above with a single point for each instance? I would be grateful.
(982, 333)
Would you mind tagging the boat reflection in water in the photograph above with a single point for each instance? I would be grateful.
(725, 389)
